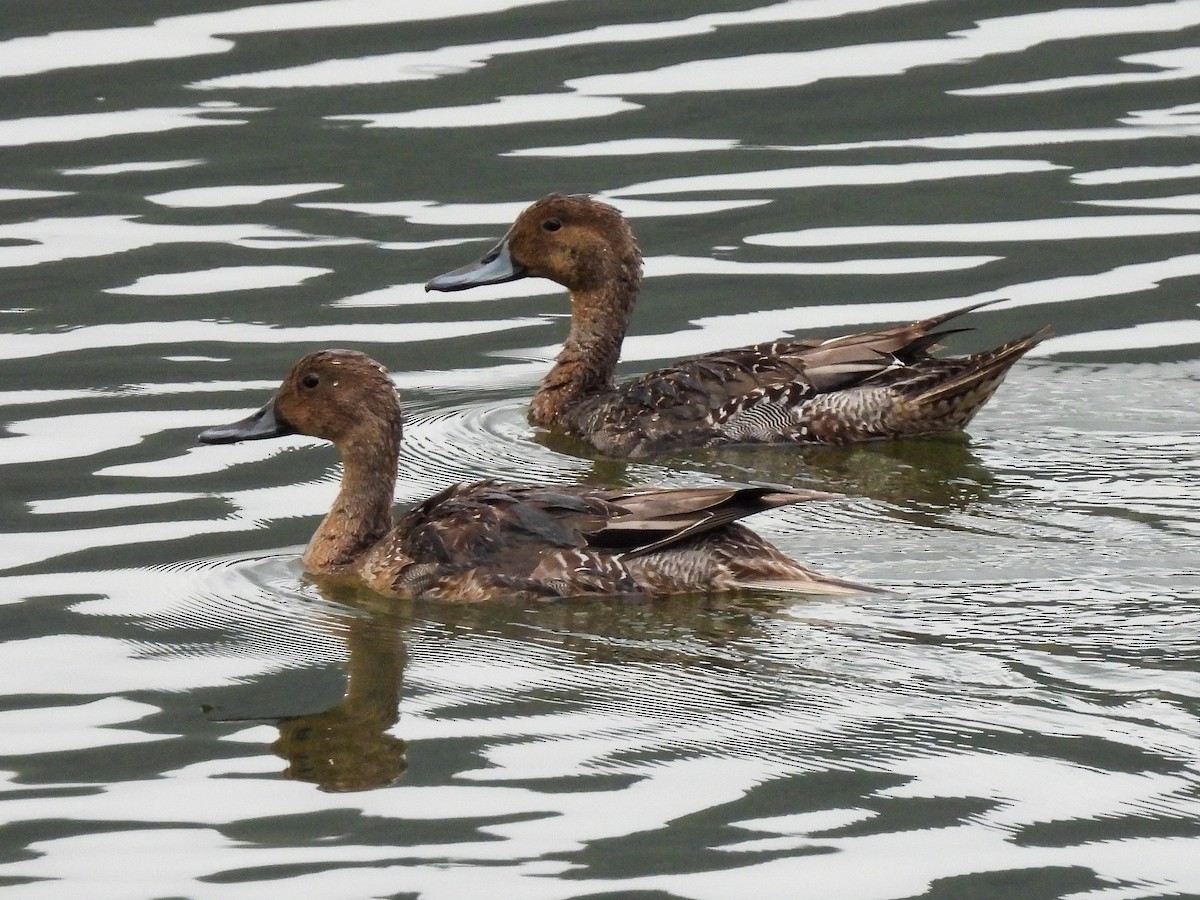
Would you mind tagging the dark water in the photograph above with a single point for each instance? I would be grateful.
(193, 195)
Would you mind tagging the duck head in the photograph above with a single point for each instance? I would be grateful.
(573, 240)
(331, 394)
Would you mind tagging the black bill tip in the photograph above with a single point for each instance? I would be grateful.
(496, 267)
(263, 424)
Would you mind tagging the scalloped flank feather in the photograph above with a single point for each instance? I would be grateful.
(858, 387)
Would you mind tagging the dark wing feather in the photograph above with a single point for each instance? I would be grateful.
(487, 540)
(803, 390)
(492, 523)
(692, 388)
(653, 519)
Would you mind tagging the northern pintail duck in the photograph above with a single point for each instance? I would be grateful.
(487, 540)
(860, 387)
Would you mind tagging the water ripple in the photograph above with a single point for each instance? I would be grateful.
(1017, 716)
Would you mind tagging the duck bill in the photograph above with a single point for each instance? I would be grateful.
(263, 424)
(495, 267)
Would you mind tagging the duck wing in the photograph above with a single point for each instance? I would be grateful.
(469, 524)
(817, 366)
(854, 387)
(647, 520)
(473, 542)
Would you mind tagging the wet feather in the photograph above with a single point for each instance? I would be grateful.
(857, 387)
(490, 540)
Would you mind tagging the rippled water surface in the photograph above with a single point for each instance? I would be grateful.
(193, 195)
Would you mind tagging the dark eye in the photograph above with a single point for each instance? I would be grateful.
(310, 380)
(552, 225)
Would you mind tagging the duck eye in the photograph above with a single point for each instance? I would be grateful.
(552, 225)
(310, 380)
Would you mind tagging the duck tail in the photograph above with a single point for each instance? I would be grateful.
(934, 321)
(925, 336)
(808, 582)
(954, 400)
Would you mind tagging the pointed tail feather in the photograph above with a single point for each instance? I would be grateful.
(782, 495)
(935, 321)
(986, 373)
(731, 503)
(904, 342)
(817, 584)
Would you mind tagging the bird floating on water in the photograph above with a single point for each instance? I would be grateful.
(494, 540)
(859, 387)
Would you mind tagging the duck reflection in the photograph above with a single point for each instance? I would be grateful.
(918, 477)
(938, 471)
(715, 632)
(348, 747)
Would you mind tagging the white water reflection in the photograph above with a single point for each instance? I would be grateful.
(56, 729)
(670, 266)
(706, 334)
(1064, 228)
(428, 212)
(1182, 333)
(219, 280)
(847, 867)
(501, 111)
(57, 239)
(1175, 65)
(1139, 125)
(39, 440)
(10, 194)
(127, 167)
(202, 460)
(94, 502)
(1187, 201)
(667, 267)
(237, 194)
(108, 666)
(824, 176)
(990, 37)
(195, 35)
(629, 147)
(92, 126)
(186, 333)
(426, 65)
(726, 751)
(1026, 704)
(46, 397)
(711, 333)
(1134, 174)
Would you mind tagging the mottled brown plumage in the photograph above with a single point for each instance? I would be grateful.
(488, 540)
(860, 387)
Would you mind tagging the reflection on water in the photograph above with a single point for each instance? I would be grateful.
(347, 747)
(192, 201)
(825, 725)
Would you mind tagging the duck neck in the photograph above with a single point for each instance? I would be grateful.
(362, 512)
(586, 366)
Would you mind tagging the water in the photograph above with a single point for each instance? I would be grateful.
(194, 195)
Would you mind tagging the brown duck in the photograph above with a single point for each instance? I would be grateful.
(491, 540)
(860, 387)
